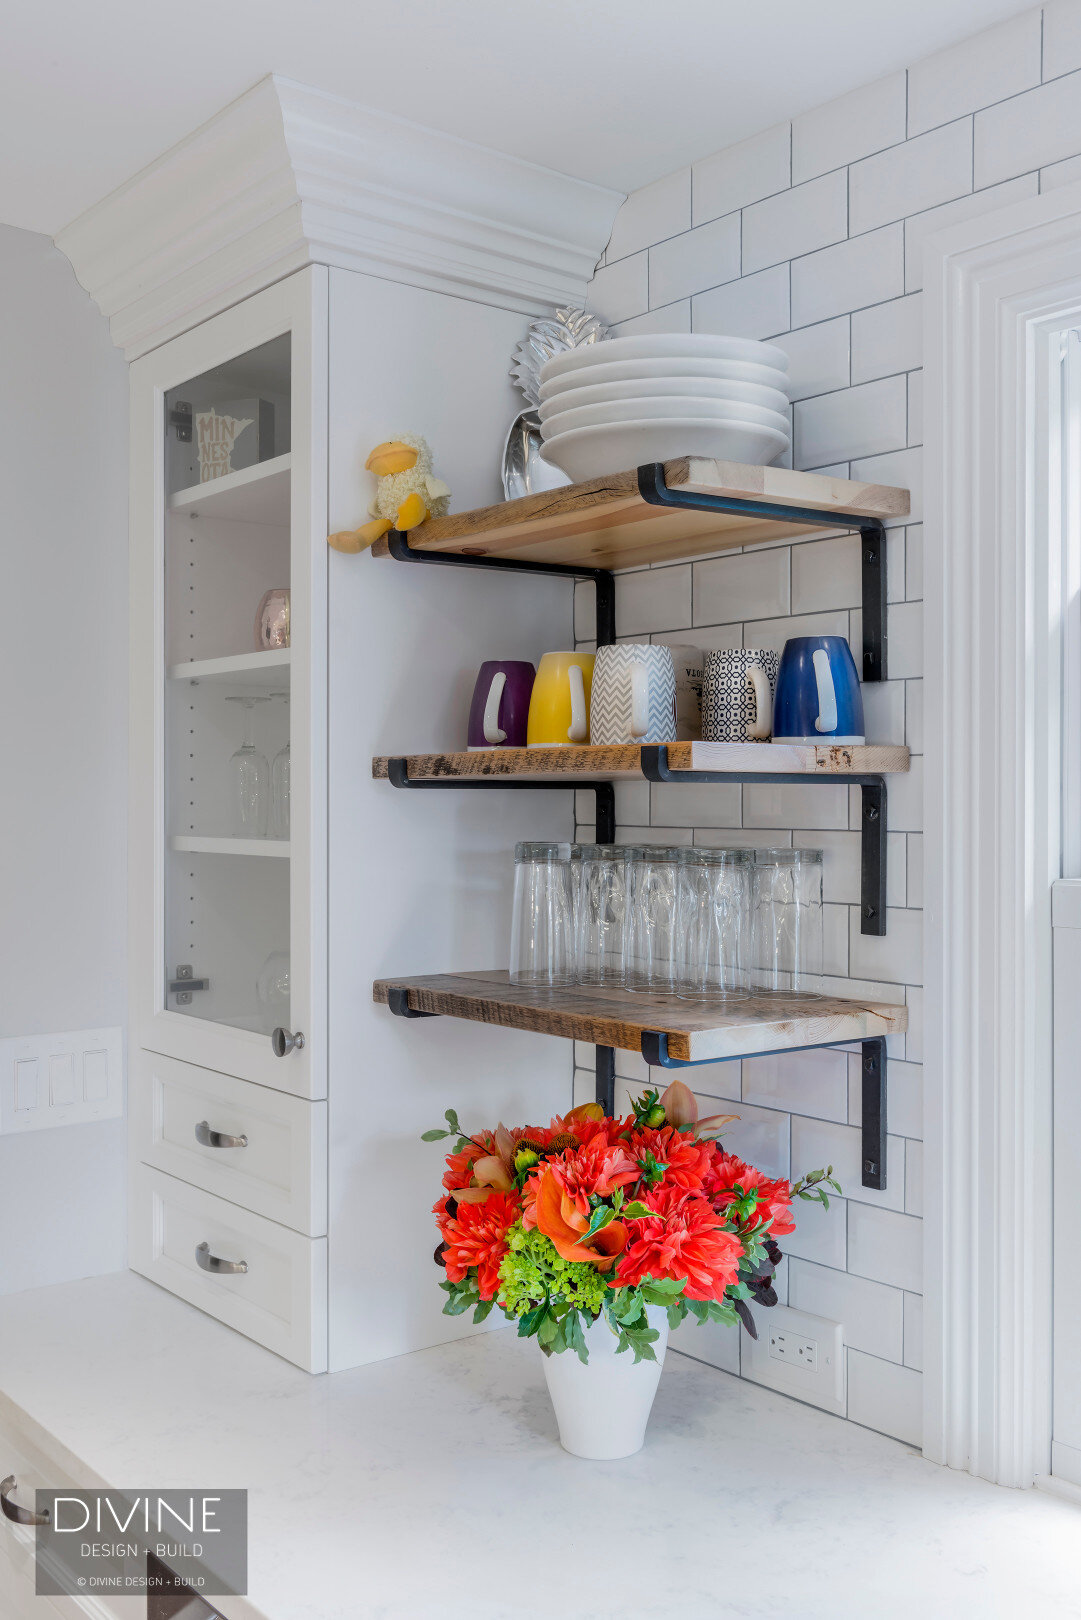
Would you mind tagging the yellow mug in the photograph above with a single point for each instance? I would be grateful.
(559, 706)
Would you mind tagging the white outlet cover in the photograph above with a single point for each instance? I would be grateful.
(72, 1078)
(824, 1387)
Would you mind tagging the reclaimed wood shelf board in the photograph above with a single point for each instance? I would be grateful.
(764, 1022)
(606, 523)
(624, 762)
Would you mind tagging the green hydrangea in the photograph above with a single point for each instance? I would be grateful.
(532, 1270)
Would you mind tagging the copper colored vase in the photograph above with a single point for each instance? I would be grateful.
(272, 621)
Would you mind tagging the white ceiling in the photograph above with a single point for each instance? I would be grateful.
(615, 91)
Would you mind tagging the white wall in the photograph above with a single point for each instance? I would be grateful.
(63, 673)
(811, 234)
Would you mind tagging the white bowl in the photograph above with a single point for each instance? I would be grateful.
(665, 346)
(662, 410)
(595, 452)
(632, 370)
(651, 387)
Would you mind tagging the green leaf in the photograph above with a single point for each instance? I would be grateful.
(434, 1136)
(602, 1216)
(452, 1120)
(636, 1210)
(531, 1321)
(664, 1285)
(483, 1309)
(572, 1331)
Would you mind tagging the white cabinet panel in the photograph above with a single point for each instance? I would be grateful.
(280, 1171)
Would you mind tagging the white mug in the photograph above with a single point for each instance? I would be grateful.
(634, 695)
(689, 668)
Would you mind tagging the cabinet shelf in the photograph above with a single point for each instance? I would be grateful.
(258, 494)
(192, 844)
(245, 672)
(627, 763)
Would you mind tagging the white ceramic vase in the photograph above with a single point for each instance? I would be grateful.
(602, 1406)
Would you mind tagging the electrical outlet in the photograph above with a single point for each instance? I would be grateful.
(797, 1353)
(793, 1350)
(68, 1079)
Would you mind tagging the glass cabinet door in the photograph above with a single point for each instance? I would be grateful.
(230, 812)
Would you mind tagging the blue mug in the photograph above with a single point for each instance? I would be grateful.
(818, 697)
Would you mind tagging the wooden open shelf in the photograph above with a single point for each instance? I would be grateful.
(624, 763)
(606, 523)
(764, 1022)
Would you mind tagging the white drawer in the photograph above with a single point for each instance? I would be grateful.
(281, 1172)
(280, 1300)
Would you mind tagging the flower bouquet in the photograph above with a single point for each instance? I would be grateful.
(596, 1235)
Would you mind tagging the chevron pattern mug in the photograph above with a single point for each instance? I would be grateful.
(634, 695)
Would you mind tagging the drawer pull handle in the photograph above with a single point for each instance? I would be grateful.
(283, 1041)
(211, 1262)
(209, 1138)
(12, 1510)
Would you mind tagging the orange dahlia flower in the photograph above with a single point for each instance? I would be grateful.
(687, 1161)
(685, 1239)
(593, 1170)
(476, 1235)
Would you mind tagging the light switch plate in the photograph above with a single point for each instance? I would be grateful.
(66, 1079)
(818, 1379)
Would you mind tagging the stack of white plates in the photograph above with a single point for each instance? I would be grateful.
(608, 407)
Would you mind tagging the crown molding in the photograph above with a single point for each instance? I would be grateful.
(287, 176)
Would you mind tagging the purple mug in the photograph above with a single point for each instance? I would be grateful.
(500, 707)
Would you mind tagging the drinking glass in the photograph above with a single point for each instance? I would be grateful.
(714, 911)
(787, 925)
(249, 788)
(280, 784)
(654, 929)
(542, 925)
(272, 991)
(601, 914)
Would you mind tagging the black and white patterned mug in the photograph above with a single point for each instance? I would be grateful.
(737, 694)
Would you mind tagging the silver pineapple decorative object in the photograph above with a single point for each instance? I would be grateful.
(524, 473)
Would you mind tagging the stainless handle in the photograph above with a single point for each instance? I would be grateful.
(209, 1138)
(12, 1510)
(211, 1262)
(283, 1041)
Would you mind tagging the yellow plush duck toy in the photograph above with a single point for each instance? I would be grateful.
(406, 494)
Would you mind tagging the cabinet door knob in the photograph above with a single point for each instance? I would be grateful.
(211, 1262)
(283, 1041)
(12, 1510)
(209, 1138)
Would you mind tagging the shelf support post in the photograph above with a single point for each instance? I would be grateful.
(873, 1144)
(606, 1080)
(873, 857)
(873, 569)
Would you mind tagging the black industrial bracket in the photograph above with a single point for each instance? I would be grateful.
(655, 768)
(398, 775)
(603, 578)
(873, 1147)
(654, 490)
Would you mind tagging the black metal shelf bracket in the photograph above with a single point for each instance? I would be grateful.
(654, 490)
(655, 768)
(398, 1002)
(603, 578)
(873, 1145)
(398, 775)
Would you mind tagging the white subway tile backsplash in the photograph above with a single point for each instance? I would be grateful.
(849, 128)
(914, 1178)
(814, 1082)
(836, 280)
(1061, 38)
(653, 599)
(887, 338)
(818, 358)
(755, 307)
(816, 1143)
(741, 585)
(715, 1343)
(742, 174)
(835, 940)
(921, 173)
(885, 1397)
(872, 1315)
(862, 421)
(885, 1246)
(650, 214)
(773, 633)
(988, 67)
(904, 622)
(841, 864)
(1066, 173)
(1042, 126)
(918, 227)
(797, 221)
(698, 259)
(914, 1331)
(821, 1235)
(713, 637)
(694, 805)
(668, 318)
(826, 573)
(775, 804)
(915, 869)
(905, 1100)
(884, 711)
(895, 957)
(760, 1136)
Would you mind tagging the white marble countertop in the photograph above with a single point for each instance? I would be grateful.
(432, 1486)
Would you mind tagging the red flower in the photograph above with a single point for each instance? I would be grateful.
(687, 1161)
(728, 1173)
(593, 1170)
(685, 1240)
(459, 1171)
(476, 1235)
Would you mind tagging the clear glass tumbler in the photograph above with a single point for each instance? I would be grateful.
(601, 916)
(787, 920)
(653, 933)
(249, 778)
(714, 924)
(542, 925)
